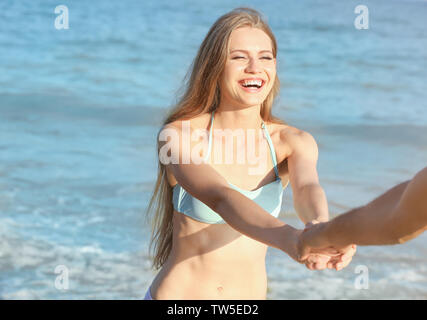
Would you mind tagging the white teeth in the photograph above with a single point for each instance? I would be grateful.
(252, 82)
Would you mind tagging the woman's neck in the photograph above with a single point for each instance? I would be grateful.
(232, 118)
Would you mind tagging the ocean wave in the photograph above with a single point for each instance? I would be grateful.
(29, 265)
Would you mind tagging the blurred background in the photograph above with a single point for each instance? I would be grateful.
(80, 109)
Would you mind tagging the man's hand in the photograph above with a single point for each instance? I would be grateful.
(315, 249)
(315, 259)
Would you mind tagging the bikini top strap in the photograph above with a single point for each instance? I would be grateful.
(270, 143)
(210, 137)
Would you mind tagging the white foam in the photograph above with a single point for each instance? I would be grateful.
(93, 272)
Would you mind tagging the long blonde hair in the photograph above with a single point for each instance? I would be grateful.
(202, 95)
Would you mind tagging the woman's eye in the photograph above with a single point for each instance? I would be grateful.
(267, 58)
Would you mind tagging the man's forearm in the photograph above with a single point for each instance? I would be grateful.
(311, 204)
(369, 224)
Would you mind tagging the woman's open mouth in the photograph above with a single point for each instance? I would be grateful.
(252, 85)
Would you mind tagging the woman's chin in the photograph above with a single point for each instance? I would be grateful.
(252, 102)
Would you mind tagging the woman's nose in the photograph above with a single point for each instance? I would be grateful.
(253, 65)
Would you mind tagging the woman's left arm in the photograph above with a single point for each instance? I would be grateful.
(309, 197)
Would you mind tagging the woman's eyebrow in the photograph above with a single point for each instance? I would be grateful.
(246, 51)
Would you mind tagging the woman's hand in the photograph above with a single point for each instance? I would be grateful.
(344, 259)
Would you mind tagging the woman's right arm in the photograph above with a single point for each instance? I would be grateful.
(203, 182)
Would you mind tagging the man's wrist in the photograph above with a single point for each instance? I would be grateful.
(324, 229)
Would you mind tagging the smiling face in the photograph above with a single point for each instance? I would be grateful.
(250, 63)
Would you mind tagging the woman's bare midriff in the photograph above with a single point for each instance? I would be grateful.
(211, 261)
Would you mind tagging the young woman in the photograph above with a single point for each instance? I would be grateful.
(396, 216)
(214, 222)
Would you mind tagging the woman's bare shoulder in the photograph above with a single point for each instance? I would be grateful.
(296, 137)
(198, 122)
(289, 138)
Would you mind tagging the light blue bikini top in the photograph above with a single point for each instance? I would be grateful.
(268, 196)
